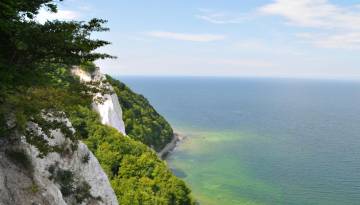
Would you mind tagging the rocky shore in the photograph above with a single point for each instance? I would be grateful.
(170, 146)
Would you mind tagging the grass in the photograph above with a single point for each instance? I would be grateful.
(34, 188)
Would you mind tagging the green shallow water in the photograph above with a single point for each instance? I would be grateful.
(262, 141)
(206, 155)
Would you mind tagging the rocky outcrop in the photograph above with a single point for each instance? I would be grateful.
(109, 108)
(70, 176)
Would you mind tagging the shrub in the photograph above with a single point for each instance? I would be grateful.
(20, 158)
(34, 188)
(88, 66)
(82, 192)
(135, 172)
(142, 122)
(64, 178)
(85, 159)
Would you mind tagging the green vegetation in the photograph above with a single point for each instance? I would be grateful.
(137, 175)
(34, 188)
(82, 192)
(69, 187)
(36, 87)
(35, 60)
(85, 159)
(20, 158)
(88, 66)
(142, 122)
(64, 178)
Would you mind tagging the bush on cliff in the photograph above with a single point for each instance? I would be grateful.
(35, 60)
(142, 122)
(137, 175)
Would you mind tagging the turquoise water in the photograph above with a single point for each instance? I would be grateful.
(262, 141)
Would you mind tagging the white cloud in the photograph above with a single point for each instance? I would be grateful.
(64, 15)
(336, 26)
(344, 40)
(266, 47)
(186, 36)
(188, 65)
(315, 13)
(221, 17)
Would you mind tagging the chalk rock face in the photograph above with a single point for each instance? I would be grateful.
(35, 183)
(40, 181)
(109, 109)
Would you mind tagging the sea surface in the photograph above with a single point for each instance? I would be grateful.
(262, 141)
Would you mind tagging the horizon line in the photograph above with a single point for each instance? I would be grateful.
(341, 78)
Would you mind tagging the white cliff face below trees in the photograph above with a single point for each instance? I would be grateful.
(109, 110)
(33, 185)
(22, 187)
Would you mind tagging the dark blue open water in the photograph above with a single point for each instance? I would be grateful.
(262, 141)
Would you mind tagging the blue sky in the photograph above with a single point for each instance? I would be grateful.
(277, 38)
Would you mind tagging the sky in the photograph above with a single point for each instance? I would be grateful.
(264, 38)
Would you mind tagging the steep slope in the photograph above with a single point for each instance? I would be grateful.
(44, 156)
(71, 175)
(53, 165)
(142, 122)
(137, 175)
(109, 109)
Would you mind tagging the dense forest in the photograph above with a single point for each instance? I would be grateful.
(142, 122)
(137, 175)
(35, 81)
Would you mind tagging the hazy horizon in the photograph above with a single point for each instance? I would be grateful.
(325, 78)
(260, 141)
(285, 38)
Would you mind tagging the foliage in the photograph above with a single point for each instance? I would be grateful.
(64, 178)
(88, 66)
(82, 192)
(142, 122)
(37, 89)
(44, 106)
(85, 159)
(34, 188)
(20, 158)
(35, 60)
(69, 186)
(137, 175)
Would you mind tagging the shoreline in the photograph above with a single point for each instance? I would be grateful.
(164, 153)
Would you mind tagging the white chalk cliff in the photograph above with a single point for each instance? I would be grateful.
(22, 186)
(109, 110)
(19, 186)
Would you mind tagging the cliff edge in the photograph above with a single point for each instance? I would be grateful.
(72, 175)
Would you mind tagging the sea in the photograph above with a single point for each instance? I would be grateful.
(252, 141)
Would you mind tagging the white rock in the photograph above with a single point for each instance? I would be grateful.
(109, 110)
(15, 182)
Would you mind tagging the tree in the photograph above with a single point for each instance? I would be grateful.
(35, 81)
(35, 60)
